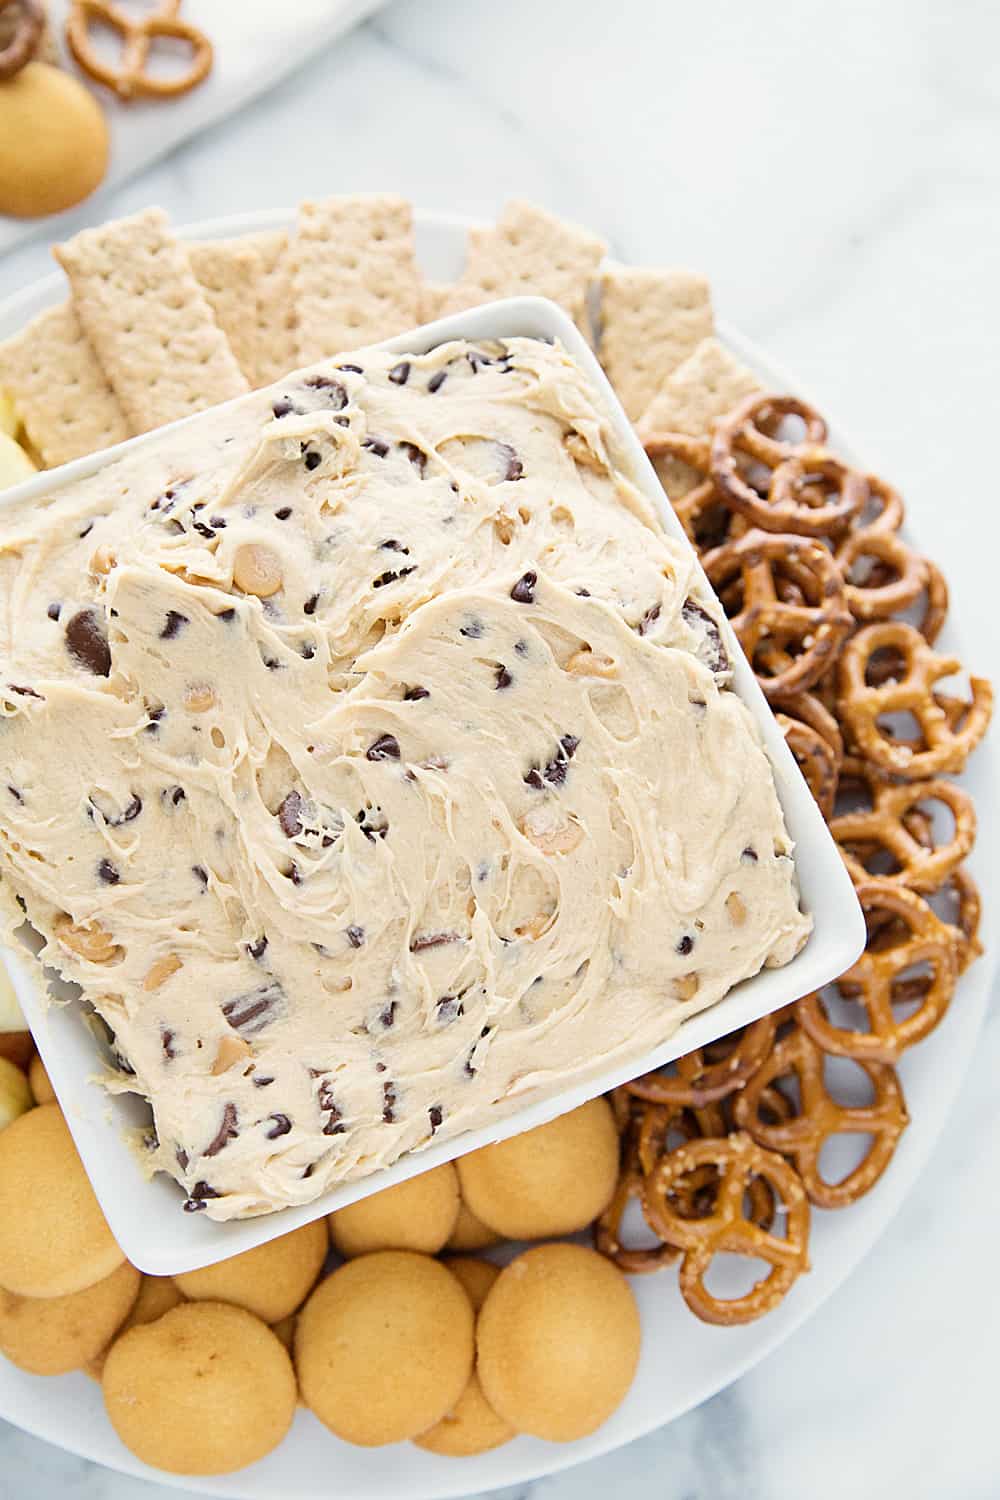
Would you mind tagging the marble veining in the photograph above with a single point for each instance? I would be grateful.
(836, 170)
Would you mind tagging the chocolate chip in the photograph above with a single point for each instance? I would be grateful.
(154, 715)
(15, 794)
(392, 545)
(87, 641)
(354, 369)
(253, 1011)
(513, 467)
(205, 531)
(400, 374)
(649, 619)
(307, 650)
(182, 1158)
(533, 778)
(435, 1114)
(569, 743)
(294, 874)
(437, 380)
(386, 747)
(86, 530)
(421, 941)
(200, 874)
(583, 593)
(107, 872)
(355, 935)
(199, 1193)
(414, 694)
(391, 577)
(417, 456)
(227, 1131)
(282, 1125)
(283, 407)
(387, 1016)
(473, 629)
(167, 1043)
(388, 1103)
(309, 608)
(715, 657)
(175, 795)
(523, 591)
(684, 945)
(312, 459)
(219, 522)
(25, 692)
(749, 855)
(334, 393)
(257, 948)
(226, 615)
(289, 815)
(54, 611)
(449, 1008)
(174, 625)
(503, 677)
(521, 647)
(260, 1081)
(376, 445)
(334, 1124)
(283, 513)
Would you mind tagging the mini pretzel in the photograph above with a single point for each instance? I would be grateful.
(923, 865)
(942, 748)
(919, 937)
(607, 1229)
(737, 1160)
(890, 513)
(706, 521)
(803, 1137)
(709, 1073)
(816, 759)
(811, 710)
(790, 645)
(22, 35)
(897, 581)
(131, 79)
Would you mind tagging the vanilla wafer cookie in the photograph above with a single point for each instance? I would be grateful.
(354, 273)
(274, 306)
(651, 321)
(149, 321)
(60, 391)
(529, 251)
(229, 272)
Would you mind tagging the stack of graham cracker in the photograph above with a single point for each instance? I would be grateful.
(156, 328)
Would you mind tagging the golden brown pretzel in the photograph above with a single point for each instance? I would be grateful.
(608, 1227)
(917, 936)
(816, 759)
(19, 35)
(923, 864)
(131, 78)
(790, 645)
(737, 1161)
(709, 1073)
(896, 581)
(941, 747)
(811, 710)
(802, 1137)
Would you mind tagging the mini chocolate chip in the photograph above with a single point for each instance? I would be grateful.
(260, 1081)
(256, 949)
(227, 1131)
(449, 1008)
(523, 591)
(513, 467)
(309, 608)
(15, 793)
(25, 692)
(205, 531)
(400, 374)
(392, 545)
(253, 1011)
(376, 445)
(521, 647)
(697, 618)
(503, 677)
(273, 664)
(312, 459)
(533, 777)
(335, 393)
(283, 513)
(87, 641)
(414, 694)
(388, 1103)
(685, 944)
(749, 855)
(417, 456)
(283, 407)
(386, 747)
(177, 794)
(473, 629)
(86, 530)
(437, 380)
(289, 815)
(424, 940)
(106, 871)
(294, 874)
(199, 1193)
(219, 522)
(182, 1158)
(649, 619)
(54, 611)
(583, 593)
(355, 935)
(307, 650)
(353, 369)
(282, 1125)
(174, 625)
(569, 742)
(193, 1205)
(154, 715)
(167, 1042)
(200, 874)
(391, 577)
(387, 1017)
(435, 1115)
(226, 615)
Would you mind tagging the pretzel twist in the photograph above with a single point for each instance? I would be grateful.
(19, 37)
(131, 78)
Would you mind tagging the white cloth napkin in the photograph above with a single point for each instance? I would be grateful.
(256, 42)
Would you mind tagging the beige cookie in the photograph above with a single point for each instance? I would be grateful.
(17, 1047)
(53, 142)
(558, 1342)
(552, 1180)
(53, 1236)
(384, 1347)
(472, 1426)
(15, 1094)
(41, 1088)
(206, 1389)
(157, 1295)
(284, 1330)
(270, 1281)
(419, 1214)
(469, 1232)
(51, 1335)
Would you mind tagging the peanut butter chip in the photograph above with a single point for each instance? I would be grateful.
(88, 940)
(161, 970)
(231, 1050)
(199, 698)
(536, 926)
(256, 570)
(591, 664)
(686, 986)
(103, 560)
(549, 832)
(737, 911)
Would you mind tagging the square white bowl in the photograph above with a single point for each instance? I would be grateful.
(145, 1215)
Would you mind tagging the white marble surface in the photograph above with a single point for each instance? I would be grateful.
(836, 170)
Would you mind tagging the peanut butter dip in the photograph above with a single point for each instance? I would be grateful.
(368, 758)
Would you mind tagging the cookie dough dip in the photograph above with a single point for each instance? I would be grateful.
(368, 758)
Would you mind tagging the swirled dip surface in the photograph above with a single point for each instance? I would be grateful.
(368, 759)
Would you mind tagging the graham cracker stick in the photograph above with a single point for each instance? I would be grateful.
(61, 393)
(275, 307)
(229, 272)
(651, 320)
(354, 273)
(148, 320)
